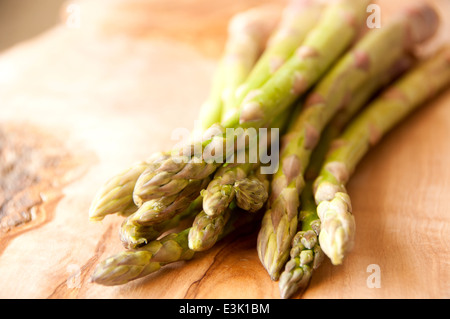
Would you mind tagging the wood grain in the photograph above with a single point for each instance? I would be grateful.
(112, 91)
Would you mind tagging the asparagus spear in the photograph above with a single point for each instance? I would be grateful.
(135, 236)
(298, 18)
(371, 87)
(306, 254)
(247, 34)
(155, 211)
(220, 191)
(133, 264)
(206, 230)
(130, 265)
(374, 53)
(251, 193)
(216, 198)
(240, 181)
(116, 195)
(334, 204)
(336, 29)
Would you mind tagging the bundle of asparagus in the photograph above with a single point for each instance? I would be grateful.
(370, 57)
(309, 74)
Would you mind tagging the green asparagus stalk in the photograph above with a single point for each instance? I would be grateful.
(135, 236)
(159, 210)
(246, 38)
(116, 195)
(336, 28)
(238, 184)
(216, 197)
(220, 191)
(334, 205)
(171, 177)
(370, 88)
(251, 193)
(130, 265)
(298, 18)
(206, 230)
(248, 33)
(133, 264)
(211, 110)
(335, 31)
(305, 253)
(374, 53)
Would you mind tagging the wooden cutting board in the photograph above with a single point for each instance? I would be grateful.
(81, 102)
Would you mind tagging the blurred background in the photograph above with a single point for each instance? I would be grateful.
(23, 19)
